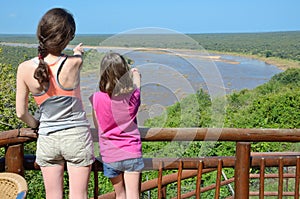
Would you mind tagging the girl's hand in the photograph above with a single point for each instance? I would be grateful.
(136, 76)
(134, 70)
(78, 50)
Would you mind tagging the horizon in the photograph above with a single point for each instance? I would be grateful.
(96, 34)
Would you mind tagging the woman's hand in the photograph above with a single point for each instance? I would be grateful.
(78, 50)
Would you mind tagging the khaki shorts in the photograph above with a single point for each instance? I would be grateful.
(74, 146)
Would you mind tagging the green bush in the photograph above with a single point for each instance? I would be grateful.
(192, 111)
(8, 119)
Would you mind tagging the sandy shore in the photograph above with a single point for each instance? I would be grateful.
(197, 54)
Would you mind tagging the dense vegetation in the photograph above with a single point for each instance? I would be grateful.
(15, 55)
(275, 104)
(284, 45)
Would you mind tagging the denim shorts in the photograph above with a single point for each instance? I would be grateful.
(114, 169)
(73, 146)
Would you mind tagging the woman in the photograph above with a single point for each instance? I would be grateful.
(53, 80)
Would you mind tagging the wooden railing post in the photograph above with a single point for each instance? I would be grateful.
(241, 170)
(96, 182)
(14, 159)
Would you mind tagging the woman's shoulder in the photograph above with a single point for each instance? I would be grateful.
(29, 63)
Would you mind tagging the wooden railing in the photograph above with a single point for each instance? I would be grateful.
(15, 161)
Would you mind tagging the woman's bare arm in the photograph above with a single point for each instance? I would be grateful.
(22, 93)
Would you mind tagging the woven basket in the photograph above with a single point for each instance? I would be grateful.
(12, 185)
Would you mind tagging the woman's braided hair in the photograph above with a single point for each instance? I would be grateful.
(55, 30)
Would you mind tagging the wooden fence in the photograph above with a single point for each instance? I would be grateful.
(242, 162)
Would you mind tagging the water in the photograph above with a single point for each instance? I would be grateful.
(168, 76)
(248, 74)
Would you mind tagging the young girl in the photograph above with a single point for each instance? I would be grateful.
(115, 109)
(53, 80)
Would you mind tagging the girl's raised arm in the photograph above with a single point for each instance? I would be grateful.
(136, 76)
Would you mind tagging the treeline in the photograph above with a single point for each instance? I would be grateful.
(284, 45)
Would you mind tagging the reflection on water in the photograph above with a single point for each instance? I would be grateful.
(169, 76)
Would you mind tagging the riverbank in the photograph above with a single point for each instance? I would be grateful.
(282, 64)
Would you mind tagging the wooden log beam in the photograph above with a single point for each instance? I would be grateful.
(179, 134)
(220, 134)
(17, 136)
(216, 134)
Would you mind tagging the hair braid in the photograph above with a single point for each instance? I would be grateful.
(41, 73)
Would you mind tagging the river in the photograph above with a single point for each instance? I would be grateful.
(170, 75)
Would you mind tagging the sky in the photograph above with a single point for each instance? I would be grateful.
(189, 16)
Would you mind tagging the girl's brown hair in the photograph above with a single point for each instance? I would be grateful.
(115, 76)
(55, 30)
